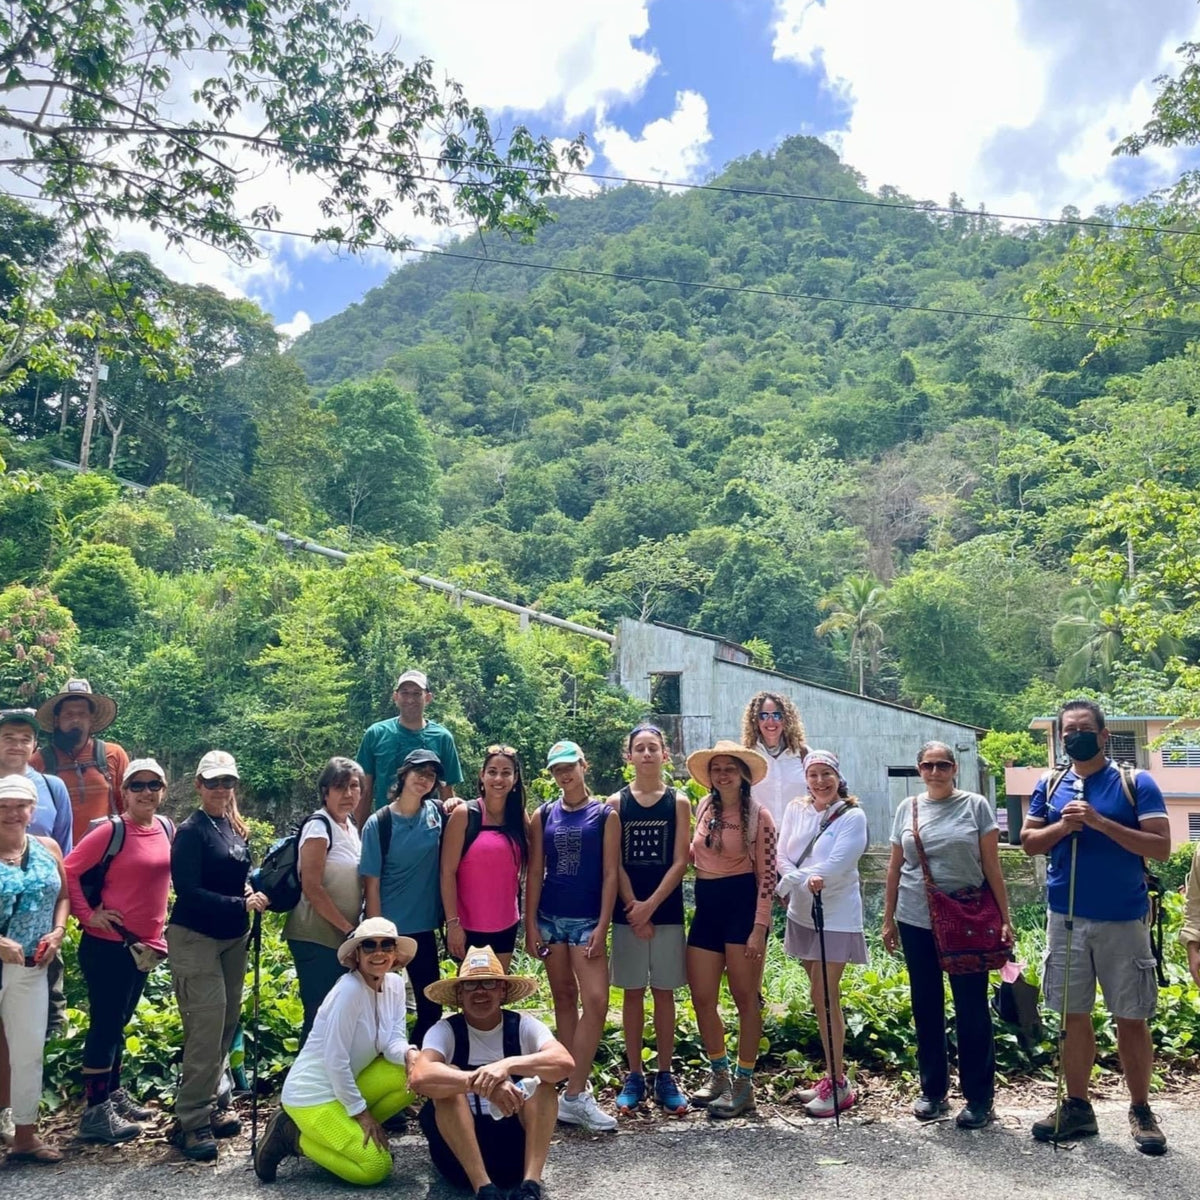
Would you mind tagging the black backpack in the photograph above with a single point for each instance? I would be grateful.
(474, 825)
(91, 881)
(278, 877)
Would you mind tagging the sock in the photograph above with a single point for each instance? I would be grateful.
(719, 1064)
(745, 1070)
(96, 1089)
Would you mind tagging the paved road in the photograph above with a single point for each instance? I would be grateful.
(696, 1160)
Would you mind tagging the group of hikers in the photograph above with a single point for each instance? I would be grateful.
(393, 860)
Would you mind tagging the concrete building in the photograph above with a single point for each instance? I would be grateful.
(697, 686)
(1175, 765)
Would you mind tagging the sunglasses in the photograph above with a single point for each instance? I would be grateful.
(223, 781)
(710, 825)
(497, 748)
(371, 945)
(145, 785)
(474, 985)
(770, 716)
(936, 764)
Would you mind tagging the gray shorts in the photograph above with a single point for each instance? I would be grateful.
(1115, 953)
(657, 962)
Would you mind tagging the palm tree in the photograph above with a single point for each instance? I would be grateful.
(852, 611)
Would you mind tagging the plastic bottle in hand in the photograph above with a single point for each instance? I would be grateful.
(528, 1086)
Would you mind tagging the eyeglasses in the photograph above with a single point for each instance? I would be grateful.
(145, 785)
(474, 985)
(222, 781)
(370, 945)
(935, 764)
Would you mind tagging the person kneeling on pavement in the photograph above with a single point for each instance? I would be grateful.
(352, 1074)
(490, 1076)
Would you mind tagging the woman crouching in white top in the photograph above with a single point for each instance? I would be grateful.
(824, 835)
(352, 1074)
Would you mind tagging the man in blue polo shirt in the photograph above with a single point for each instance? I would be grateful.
(386, 744)
(1111, 939)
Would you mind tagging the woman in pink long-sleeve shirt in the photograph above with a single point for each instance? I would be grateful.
(132, 909)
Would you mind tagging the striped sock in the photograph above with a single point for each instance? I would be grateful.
(719, 1064)
(745, 1070)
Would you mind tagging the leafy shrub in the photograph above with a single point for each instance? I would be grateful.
(37, 640)
(100, 585)
(1174, 872)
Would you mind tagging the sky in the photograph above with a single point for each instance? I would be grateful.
(1015, 104)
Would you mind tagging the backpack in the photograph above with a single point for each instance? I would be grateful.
(278, 877)
(91, 881)
(1154, 887)
(462, 1039)
(474, 825)
(99, 761)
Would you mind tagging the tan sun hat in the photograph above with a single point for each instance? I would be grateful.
(698, 760)
(376, 927)
(480, 962)
(104, 708)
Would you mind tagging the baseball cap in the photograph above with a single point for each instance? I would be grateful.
(17, 787)
(563, 752)
(22, 716)
(413, 676)
(215, 764)
(151, 765)
(421, 758)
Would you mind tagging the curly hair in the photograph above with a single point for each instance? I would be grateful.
(792, 735)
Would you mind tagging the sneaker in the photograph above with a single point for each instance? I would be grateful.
(1147, 1136)
(102, 1123)
(975, 1116)
(667, 1094)
(196, 1144)
(821, 1105)
(632, 1092)
(527, 1189)
(489, 1191)
(583, 1111)
(739, 1099)
(8, 1131)
(926, 1108)
(280, 1140)
(1078, 1119)
(719, 1084)
(225, 1123)
(128, 1107)
(809, 1094)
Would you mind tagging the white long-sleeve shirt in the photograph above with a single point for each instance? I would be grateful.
(784, 782)
(834, 857)
(354, 1025)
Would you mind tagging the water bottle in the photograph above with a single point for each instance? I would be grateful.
(527, 1086)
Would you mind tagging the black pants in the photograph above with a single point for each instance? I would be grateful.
(114, 986)
(422, 971)
(501, 1145)
(972, 1022)
(317, 970)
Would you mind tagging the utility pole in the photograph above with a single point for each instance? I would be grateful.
(89, 418)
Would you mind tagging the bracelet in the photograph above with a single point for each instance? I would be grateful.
(453, 921)
(62, 927)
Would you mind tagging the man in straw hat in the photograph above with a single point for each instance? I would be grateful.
(489, 1073)
(92, 770)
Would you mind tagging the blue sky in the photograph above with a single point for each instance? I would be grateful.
(1013, 103)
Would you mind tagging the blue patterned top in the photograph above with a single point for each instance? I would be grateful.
(28, 897)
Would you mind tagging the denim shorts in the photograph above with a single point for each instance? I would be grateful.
(574, 931)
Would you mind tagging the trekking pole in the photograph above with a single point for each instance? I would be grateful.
(256, 942)
(818, 915)
(1062, 1018)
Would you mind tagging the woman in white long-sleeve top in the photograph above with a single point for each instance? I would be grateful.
(824, 835)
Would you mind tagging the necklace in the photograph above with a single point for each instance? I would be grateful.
(13, 857)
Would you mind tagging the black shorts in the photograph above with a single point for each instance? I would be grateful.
(504, 942)
(501, 1143)
(724, 912)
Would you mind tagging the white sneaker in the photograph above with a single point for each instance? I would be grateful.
(586, 1113)
(8, 1131)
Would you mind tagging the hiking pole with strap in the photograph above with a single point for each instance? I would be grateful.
(1062, 1018)
(256, 942)
(818, 916)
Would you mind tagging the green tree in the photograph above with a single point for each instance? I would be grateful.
(38, 640)
(854, 610)
(646, 574)
(100, 584)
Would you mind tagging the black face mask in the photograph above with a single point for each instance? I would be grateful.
(68, 739)
(1082, 745)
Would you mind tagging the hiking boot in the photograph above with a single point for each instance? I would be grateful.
(809, 1094)
(718, 1085)
(667, 1094)
(128, 1107)
(1147, 1136)
(196, 1144)
(821, 1105)
(975, 1116)
(280, 1140)
(8, 1131)
(582, 1110)
(102, 1123)
(632, 1093)
(739, 1099)
(926, 1108)
(1077, 1120)
(225, 1123)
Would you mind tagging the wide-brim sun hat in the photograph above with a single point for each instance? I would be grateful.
(698, 761)
(376, 927)
(215, 764)
(104, 708)
(480, 962)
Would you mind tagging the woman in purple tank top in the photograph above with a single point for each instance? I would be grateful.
(574, 859)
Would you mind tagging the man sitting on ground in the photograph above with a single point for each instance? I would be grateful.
(489, 1073)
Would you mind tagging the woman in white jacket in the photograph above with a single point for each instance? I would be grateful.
(824, 835)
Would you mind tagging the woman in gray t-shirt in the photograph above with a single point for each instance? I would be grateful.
(961, 841)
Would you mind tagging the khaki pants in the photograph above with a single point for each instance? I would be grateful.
(208, 974)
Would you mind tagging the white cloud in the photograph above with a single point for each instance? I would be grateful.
(669, 148)
(299, 324)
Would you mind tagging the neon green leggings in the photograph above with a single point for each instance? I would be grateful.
(334, 1140)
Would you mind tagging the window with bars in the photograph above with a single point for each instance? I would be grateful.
(1181, 755)
(1194, 827)
(1122, 747)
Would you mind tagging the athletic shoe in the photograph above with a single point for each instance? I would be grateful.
(975, 1116)
(280, 1140)
(102, 1123)
(739, 1099)
(1147, 1136)
(196, 1144)
(225, 1124)
(926, 1108)
(632, 1092)
(718, 1085)
(583, 1111)
(128, 1107)
(822, 1104)
(809, 1094)
(527, 1189)
(489, 1191)
(667, 1094)
(1078, 1119)
(8, 1131)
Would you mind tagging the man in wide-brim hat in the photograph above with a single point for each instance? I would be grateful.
(490, 1075)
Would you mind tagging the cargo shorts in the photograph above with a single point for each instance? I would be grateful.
(1116, 954)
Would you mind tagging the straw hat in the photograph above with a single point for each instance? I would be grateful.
(376, 927)
(480, 962)
(104, 708)
(698, 760)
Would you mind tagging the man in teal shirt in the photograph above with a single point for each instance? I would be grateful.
(386, 744)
